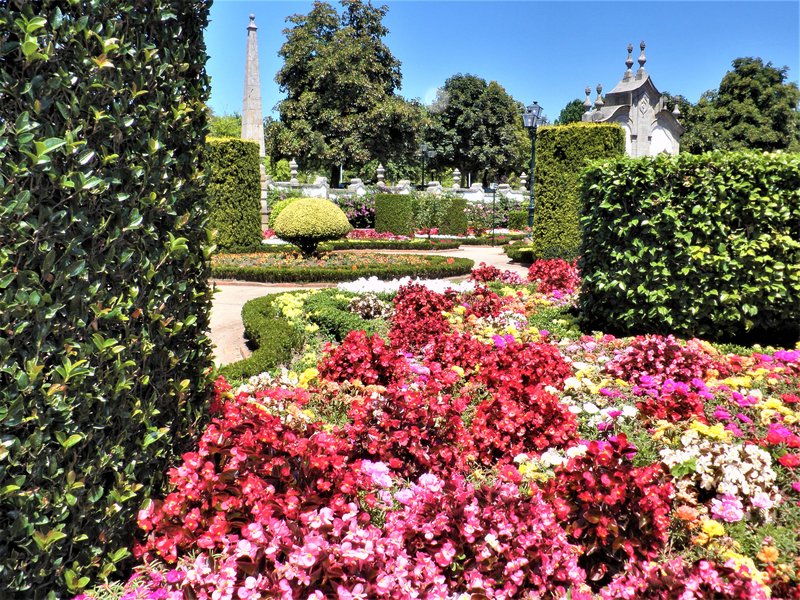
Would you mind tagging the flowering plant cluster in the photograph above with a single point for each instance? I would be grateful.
(555, 275)
(471, 454)
(484, 273)
(371, 234)
(369, 306)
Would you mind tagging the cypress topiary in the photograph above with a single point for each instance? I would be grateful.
(234, 191)
(104, 294)
(562, 153)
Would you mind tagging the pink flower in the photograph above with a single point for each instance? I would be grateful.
(727, 508)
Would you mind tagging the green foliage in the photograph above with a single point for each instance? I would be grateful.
(282, 171)
(104, 294)
(278, 207)
(562, 152)
(754, 108)
(455, 217)
(225, 126)
(340, 80)
(329, 310)
(433, 267)
(306, 222)
(705, 246)
(274, 339)
(518, 219)
(571, 113)
(234, 191)
(477, 126)
(394, 213)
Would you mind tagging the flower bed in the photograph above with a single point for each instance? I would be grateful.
(469, 453)
(339, 266)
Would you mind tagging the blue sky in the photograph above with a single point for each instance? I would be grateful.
(544, 51)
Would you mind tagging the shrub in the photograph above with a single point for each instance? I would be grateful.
(359, 357)
(277, 208)
(393, 213)
(554, 274)
(104, 294)
(455, 217)
(417, 316)
(518, 219)
(308, 221)
(360, 210)
(234, 191)
(562, 152)
(699, 246)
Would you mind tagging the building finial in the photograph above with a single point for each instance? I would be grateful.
(642, 59)
(587, 104)
(252, 22)
(629, 63)
(598, 103)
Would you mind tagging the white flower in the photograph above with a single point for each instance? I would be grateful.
(572, 383)
(590, 408)
(579, 450)
(551, 458)
(629, 411)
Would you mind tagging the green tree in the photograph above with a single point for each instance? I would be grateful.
(340, 80)
(754, 108)
(225, 125)
(477, 127)
(571, 113)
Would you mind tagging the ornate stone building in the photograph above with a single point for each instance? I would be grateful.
(637, 106)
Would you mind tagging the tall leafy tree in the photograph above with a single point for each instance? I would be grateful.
(340, 80)
(225, 125)
(477, 127)
(571, 113)
(754, 108)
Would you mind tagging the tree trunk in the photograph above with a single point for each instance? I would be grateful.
(334, 183)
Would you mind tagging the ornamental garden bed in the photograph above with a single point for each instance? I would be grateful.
(333, 266)
(475, 442)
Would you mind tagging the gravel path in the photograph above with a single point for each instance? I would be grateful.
(227, 330)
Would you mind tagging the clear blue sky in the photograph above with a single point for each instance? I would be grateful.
(544, 51)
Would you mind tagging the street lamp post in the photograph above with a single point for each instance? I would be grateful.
(493, 186)
(425, 151)
(532, 118)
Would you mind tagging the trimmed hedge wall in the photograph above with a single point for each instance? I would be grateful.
(518, 219)
(394, 213)
(694, 245)
(104, 294)
(562, 152)
(234, 191)
(437, 267)
(455, 220)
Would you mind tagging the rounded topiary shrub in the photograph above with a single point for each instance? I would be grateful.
(309, 221)
(277, 209)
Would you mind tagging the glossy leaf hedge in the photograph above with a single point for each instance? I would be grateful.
(234, 191)
(562, 152)
(705, 246)
(394, 213)
(104, 293)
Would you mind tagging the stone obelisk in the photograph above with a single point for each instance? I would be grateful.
(252, 117)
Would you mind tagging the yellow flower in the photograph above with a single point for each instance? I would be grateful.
(717, 432)
(713, 528)
(307, 376)
(458, 370)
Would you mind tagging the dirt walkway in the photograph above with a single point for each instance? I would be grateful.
(227, 330)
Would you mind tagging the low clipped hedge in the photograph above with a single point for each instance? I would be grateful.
(273, 337)
(704, 246)
(455, 221)
(234, 191)
(275, 340)
(437, 267)
(562, 152)
(394, 213)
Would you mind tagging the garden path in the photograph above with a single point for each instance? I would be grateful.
(227, 330)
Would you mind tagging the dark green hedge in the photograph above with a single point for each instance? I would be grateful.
(562, 152)
(394, 213)
(518, 219)
(694, 245)
(234, 191)
(329, 310)
(272, 336)
(438, 267)
(455, 220)
(104, 294)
